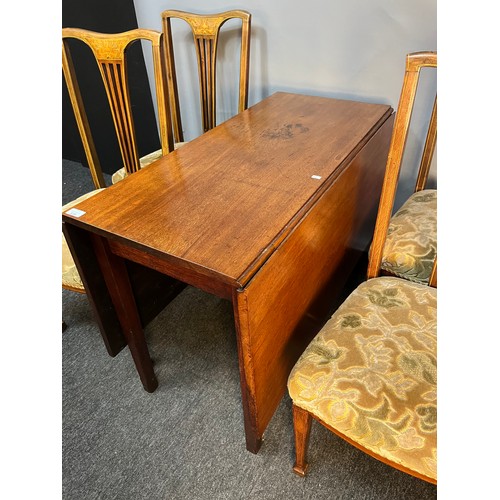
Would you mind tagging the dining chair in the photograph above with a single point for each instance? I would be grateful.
(110, 53)
(370, 374)
(205, 29)
(405, 243)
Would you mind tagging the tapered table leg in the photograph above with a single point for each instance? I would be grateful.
(117, 281)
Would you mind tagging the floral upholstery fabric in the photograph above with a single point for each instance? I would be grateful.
(370, 373)
(119, 175)
(411, 244)
(70, 277)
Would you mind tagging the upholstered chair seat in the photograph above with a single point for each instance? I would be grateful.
(370, 374)
(411, 244)
(70, 278)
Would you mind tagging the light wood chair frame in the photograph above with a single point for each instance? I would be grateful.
(414, 63)
(205, 29)
(109, 51)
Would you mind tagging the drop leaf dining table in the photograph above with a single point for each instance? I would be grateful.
(271, 210)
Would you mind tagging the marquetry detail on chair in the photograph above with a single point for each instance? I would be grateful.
(370, 374)
(205, 29)
(405, 244)
(110, 51)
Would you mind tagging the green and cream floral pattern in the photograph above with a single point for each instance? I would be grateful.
(411, 244)
(371, 372)
(70, 277)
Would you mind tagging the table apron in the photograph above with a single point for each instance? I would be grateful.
(210, 283)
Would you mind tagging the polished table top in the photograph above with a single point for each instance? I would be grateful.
(220, 205)
(271, 209)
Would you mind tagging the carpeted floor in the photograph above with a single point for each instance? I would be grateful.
(186, 440)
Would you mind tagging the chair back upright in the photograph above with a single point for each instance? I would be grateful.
(205, 29)
(109, 51)
(414, 63)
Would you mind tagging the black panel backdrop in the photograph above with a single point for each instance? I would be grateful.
(107, 16)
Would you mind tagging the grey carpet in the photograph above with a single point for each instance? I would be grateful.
(186, 440)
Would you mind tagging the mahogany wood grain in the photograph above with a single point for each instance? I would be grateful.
(183, 273)
(269, 209)
(153, 291)
(118, 283)
(225, 203)
(284, 290)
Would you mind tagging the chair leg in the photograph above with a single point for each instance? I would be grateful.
(302, 429)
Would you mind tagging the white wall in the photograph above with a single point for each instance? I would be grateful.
(337, 48)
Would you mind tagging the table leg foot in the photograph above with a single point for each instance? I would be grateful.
(253, 444)
(151, 385)
(300, 470)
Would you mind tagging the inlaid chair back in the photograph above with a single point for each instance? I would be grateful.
(110, 52)
(370, 374)
(405, 243)
(205, 29)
